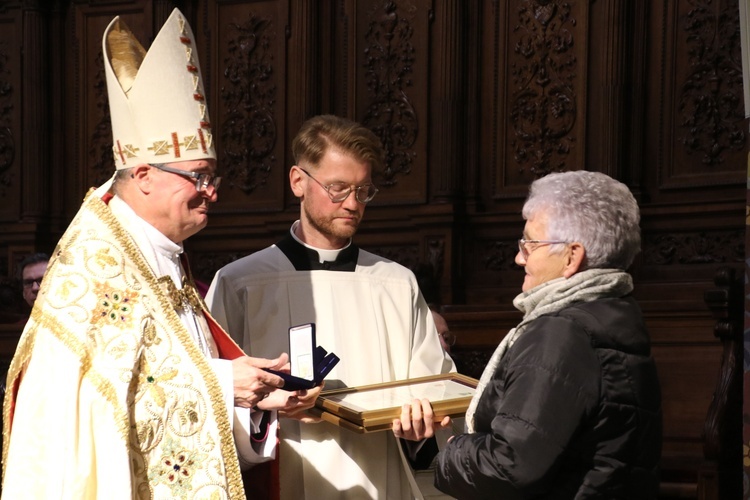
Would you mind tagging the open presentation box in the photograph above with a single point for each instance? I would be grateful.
(372, 408)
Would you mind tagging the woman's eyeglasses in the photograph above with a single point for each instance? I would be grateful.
(528, 246)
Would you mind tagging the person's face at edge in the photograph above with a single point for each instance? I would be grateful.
(442, 327)
(32, 272)
(323, 223)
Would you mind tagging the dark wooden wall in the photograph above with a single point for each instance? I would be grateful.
(473, 100)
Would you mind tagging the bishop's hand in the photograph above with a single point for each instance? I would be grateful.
(252, 384)
(293, 404)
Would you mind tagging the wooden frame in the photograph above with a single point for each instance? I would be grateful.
(372, 408)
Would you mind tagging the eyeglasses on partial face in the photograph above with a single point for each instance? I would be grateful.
(339, 191)
(203, 182)
(29, 282)
(528, 246)
(449, 338)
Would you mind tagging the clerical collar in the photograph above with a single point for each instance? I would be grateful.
(307, 258)
(159, 242)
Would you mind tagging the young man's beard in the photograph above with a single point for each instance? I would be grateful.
(327, 227)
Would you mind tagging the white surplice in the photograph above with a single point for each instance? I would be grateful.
(379, 325)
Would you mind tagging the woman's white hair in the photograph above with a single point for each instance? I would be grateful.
(590, 208)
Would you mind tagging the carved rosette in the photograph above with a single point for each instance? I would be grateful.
(406, 255)
(500, 255)
(694, 248)
(711, 102)
(388, 64)
(205, 265)
(248, 129)
(7, 144)
(543, 102)
(436, 256)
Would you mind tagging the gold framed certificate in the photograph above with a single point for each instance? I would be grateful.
(372, 408)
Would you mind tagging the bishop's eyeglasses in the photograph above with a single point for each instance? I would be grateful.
(202, 180)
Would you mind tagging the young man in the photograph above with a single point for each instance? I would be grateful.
(367, 310)
(122, 385)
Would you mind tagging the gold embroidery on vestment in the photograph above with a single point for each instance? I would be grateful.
(185, 298)
(191, 401)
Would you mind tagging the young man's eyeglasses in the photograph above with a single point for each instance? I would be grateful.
(339, 191)
(528, 246)
(202, 180)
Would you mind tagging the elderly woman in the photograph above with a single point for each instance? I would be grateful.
(569, 405)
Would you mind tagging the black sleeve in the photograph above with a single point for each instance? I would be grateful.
(424, 455)
(531, 408)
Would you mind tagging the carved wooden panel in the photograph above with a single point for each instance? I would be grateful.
(696, 134)
(390, 61)
(246, 65)
(534, 59)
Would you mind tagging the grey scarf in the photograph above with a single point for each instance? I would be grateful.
(548, 298)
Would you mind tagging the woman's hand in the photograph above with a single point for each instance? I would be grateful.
(417, 421)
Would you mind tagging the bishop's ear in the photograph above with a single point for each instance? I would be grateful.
(142, 176)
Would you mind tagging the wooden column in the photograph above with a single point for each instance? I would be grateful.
(35, 125)
(304, 68)
(447, 104)
(720, 476)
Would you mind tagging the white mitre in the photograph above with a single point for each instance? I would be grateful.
(156, 98)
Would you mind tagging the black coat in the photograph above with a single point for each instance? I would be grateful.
(573, 410)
